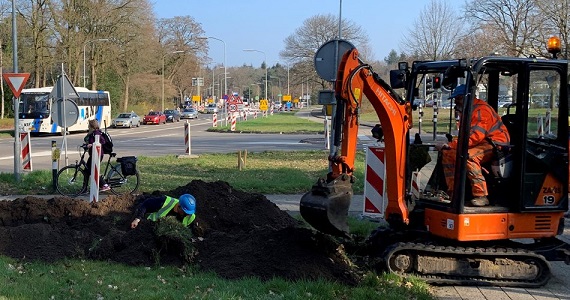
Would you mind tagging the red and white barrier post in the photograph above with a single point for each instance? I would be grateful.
(327, 134)
(547, 122)
(255, 114)
(215, 120)
(187, 140)
(540, 125)
(233, 126)
(95, 170)
(26, 151)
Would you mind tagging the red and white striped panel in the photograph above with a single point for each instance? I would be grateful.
(375, 183)
(26, 151)
(416, 191)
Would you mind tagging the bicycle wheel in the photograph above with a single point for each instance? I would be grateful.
(71, 181)
(122, 185)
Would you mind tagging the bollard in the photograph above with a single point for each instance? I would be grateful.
(233, 126)
(187, 141)
(26, 151)
(215, 120)
(327, 134)
(540, 125)
(547, 120)
(421, 115)
(95, 172)
(434, 120)
(55, 153)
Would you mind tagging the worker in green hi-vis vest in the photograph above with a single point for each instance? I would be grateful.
(158, 207)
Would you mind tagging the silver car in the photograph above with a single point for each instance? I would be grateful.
(126, 120)
(188, 113)
(212, 109)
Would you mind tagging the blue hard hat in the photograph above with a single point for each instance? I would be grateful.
(188, 203)
(458, 91)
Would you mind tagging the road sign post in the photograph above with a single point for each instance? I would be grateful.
(16, 82)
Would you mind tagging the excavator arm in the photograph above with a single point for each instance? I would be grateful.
(325, 207)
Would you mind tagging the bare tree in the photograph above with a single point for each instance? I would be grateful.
(34, 38)
(133, 48)
(435, 32)
(300, 47)
(180, 35)
(514, 24)
(557, 14)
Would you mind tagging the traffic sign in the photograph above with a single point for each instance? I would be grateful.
(16, 82)
(234, 100)
(232, 107)
(64, 109)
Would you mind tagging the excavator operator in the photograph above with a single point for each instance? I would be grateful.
(486, 126)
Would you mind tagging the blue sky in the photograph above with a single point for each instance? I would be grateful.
(264, 24)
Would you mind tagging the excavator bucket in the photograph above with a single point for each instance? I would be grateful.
(325, 207)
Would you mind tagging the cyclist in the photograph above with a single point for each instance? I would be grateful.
(89, 139)
(158, 207)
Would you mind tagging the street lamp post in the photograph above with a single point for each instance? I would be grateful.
(265, 61)
(225, 70)
(225, 80)
(84, 46)
(163, 57)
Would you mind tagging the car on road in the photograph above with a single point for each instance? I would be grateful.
(172, 115)
(277, 106)
(154, 117)
(126, 120)
(189, 113)
(212, 109)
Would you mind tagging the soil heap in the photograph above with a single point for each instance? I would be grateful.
(235, 234)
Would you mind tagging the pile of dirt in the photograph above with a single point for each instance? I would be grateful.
(235, 235)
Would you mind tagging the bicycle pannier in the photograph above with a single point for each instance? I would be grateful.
(128, 165)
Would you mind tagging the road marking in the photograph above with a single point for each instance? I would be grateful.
(42, 153)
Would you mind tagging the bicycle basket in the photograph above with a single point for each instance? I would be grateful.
(128, 165)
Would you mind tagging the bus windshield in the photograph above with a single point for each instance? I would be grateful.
(34, 106)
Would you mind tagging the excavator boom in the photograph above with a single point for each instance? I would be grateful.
(325, 207)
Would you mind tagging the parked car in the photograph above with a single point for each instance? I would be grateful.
(127, 120)
(154, 117)
(212, 109)
(189, 113)
(172, 115)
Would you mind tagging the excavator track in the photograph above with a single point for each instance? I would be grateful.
(448, 265)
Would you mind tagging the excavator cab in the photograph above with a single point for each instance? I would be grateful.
(527, 177)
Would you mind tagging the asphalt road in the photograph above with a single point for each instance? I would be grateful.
(159, 140)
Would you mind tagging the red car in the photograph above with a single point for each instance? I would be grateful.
(154, 117)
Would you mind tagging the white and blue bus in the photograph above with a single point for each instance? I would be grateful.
(36, 117)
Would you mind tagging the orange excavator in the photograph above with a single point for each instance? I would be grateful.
(445, 240)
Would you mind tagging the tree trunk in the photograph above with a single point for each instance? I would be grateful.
(126, 99)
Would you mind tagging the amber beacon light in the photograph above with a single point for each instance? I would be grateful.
(553, 45)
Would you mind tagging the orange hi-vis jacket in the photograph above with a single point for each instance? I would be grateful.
(485, 123)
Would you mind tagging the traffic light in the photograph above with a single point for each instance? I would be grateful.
(429, 86)
(437, 82)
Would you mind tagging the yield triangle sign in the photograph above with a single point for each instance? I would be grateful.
(16, 82)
